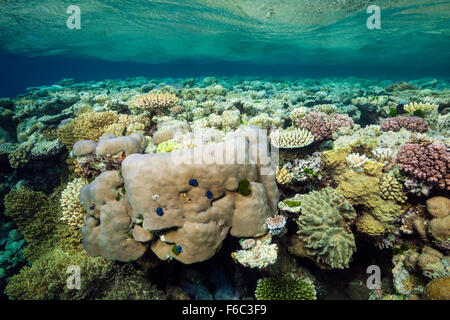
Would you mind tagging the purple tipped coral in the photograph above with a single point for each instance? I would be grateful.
(430, 163)
(322, 126)
(410, 123)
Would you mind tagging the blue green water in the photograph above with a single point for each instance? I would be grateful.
(117, 39)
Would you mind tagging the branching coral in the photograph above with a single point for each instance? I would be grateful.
(291, 138)
(425, 108)
(324, 228)
(283, 176)
(86, 126)
(411, 123)
(429, 162)
(284, 288)
(321, 125)
(391, 188)
(156, 102)
(355, 161)
(72, 211)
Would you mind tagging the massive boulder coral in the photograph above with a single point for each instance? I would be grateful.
(324, 229)
(184, 202)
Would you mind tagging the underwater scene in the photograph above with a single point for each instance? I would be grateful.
(225, 150)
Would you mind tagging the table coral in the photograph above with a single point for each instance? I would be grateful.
(153, 102)
(291, 138)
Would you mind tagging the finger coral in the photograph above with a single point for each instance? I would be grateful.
(72, 211)
(391, 188)
(426, 162)
(411, 123)
(321, 125)
(425, 108)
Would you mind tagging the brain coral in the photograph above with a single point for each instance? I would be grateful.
(429, 162)
(283, 288)
(324, 229)
(411, 123)
(186, 198)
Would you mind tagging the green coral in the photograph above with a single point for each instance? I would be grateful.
(168, 146)
(283, 288)
(324, 228)
(244, 187)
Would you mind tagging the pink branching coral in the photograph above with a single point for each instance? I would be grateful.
(322, 126)
(430, 163)
(410, 123)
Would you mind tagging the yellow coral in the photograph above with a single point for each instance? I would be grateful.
(391, 188)
(425, 108)
(283, 176)
(72, 211)
(367, 224)
(153, 101)
(86, 126)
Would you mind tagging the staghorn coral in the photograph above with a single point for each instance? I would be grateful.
(154, 102)
(298, 113)
(413, 108)
(391, 188)
(72, 211)
(325, 108)
(291, 138)
(284, 288)
(411, 123)
(86, 126)
(324, 232)
(428, 162)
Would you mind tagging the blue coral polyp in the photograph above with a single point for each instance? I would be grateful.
(193, 183)
(92, 207)
(159, 211)
(209, 195)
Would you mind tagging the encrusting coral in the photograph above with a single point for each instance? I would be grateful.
(324, 229)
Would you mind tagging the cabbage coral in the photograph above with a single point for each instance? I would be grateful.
(324, 228)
